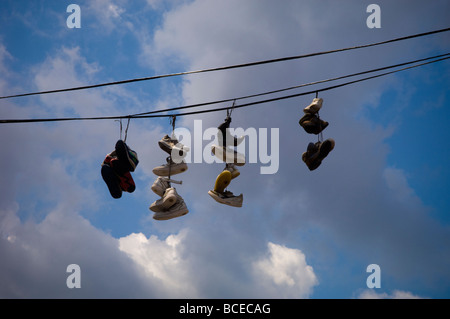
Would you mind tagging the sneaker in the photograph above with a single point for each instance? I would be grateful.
(108, 158)
(224, 136)
(177, 210)
(111, 181)
(166, 201)
(227, 198)
(170, 168)
(325, 148)
(312, 124)
(228, 155)
(174, 148)
(127, 157)
(314, 107)
(161, 184)
(317, 152)
(126, 182)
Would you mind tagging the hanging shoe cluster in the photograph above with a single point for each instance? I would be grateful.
(116, 168)
(226, 152)
(313, 124)
(170, 205)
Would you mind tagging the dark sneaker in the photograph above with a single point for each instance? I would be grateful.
(128, 159)
(325, 148)
(126, 182)
(312, 124)
(316, 153)
(111, 181)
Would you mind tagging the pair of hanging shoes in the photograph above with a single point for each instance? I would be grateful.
(316, 152)
(116, 168)
(311, 121)
(226, 152)
(170, 205)
(312, 124)
(219, 194)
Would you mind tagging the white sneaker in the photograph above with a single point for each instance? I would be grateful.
(227, 198)
(161, 184)
(166, 201)
(173, 147)
(314, 107)
(228, 155)
(171, 168)
(177, 210)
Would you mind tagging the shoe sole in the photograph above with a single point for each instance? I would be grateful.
(164, 170)
(111, 181)
(169, 215)
(221, 200)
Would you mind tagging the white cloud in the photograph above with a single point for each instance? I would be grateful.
(107, 14)
(396, 294)
(39, 253)
(162, 259)
(282, 273)
(285, 272)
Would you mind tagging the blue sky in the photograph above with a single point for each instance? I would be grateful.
(380, 197)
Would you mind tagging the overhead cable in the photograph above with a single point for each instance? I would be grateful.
(226, 67)
(152, 115)
(289, 88)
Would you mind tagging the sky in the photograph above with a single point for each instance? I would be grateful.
(380, 197)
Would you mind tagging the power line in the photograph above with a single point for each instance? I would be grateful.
(289, 88)
(152, 115)
(227, 67)
(295, 95)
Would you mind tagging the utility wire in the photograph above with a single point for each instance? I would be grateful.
(149, 115)
(228, 67)
(289, 88)
(294, 95)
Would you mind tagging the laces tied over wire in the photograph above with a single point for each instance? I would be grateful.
(173, 119)
(121, 128)
(320, 135)
(230, 110)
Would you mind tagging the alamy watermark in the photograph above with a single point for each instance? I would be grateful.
(374, 279)
(74, 279)
(74, 19)
(374, 19)
(255, 145)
